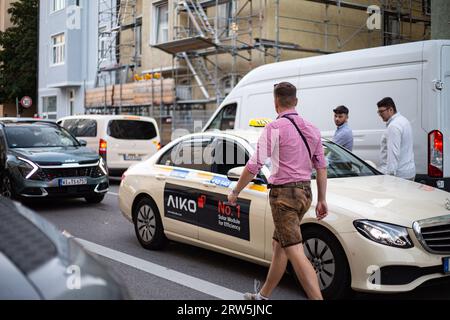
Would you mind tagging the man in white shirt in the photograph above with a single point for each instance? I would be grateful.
(397, 155)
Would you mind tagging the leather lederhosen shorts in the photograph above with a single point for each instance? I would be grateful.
(289, 204)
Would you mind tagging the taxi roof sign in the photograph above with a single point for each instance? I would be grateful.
(259, 122)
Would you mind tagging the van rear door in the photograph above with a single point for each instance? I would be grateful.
(83, 129)
(130, 141)
(445, 106)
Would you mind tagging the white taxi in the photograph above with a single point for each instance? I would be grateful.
(383, 234)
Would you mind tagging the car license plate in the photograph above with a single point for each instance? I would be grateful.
(132, 157)
(446, 265)
(73, 182)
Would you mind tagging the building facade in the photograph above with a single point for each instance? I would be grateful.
(68, 55)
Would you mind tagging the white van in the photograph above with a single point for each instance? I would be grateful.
(120, 140)
(416, 75)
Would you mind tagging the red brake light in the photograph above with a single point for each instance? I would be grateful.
(102, 149)
(435, 154)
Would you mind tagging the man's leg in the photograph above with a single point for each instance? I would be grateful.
(305, 271)
(276, 271)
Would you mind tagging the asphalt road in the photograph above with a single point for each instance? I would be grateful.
(180, 272)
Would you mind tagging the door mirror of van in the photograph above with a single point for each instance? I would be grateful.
(83, 143)
(371, 163)
(235, 174)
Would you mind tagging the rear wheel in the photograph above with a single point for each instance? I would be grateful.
(95, 199)
(148, 225)
(329, 260)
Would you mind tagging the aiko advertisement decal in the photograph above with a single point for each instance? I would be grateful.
(207, 210)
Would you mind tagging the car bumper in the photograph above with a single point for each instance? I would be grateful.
(379, 268)
(51, 189)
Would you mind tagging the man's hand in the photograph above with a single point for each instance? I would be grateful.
(232, 198)
(321, 210)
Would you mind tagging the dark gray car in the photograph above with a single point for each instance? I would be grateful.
(37, 262)
(40, 159)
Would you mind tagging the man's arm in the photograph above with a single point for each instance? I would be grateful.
(244, 180)
(322, 207)
(254, 165)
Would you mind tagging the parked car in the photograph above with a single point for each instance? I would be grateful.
(40, 159)
(383, 234)
(416, 75)
(37, 262)
(120, 140)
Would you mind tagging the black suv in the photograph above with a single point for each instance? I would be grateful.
(40, 159)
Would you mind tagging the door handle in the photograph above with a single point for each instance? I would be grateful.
(161, 177)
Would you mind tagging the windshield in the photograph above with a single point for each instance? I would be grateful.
(38, 136)
(340, 163)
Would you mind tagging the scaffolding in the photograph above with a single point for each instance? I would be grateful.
(216, 42)
(118, 54)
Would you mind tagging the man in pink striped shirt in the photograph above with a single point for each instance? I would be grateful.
(294, 146)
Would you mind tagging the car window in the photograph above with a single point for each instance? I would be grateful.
(131, 130)
(340, 163)
(343, 164)
(86, 128)
(195, 154)
(228, 155)
(225, 119)
(38, 136)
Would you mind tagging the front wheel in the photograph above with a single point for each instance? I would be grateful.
(330, 262)
(148, 225)
(7, 189)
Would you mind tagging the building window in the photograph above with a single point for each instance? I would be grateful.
(58, 5)
(58, 49)
(72, 102)
(103, 43)
(225, 17)
(161, 22)
(49, 107)
(139, 40)
(426, 4)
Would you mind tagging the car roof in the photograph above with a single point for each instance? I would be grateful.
(107, 117)
(21, 121)
(251, 135)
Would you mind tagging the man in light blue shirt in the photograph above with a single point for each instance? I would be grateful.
(343, 135)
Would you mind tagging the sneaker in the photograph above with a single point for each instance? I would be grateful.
(252, 296)
(255, 296)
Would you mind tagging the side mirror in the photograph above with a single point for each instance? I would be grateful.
(235, 173)
(83, 143)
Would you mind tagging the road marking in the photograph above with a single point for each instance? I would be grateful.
(113, 194)
(197, 284)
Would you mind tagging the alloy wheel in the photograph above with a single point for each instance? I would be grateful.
(322, 259)
(146, 223)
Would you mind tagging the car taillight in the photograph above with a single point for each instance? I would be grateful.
(435, 154)
(103, 146)
(158, 146)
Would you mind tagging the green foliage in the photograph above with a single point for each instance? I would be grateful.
(19, 52)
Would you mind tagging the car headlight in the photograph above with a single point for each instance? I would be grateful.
(384, 233)
(27, 168)
(102, 166)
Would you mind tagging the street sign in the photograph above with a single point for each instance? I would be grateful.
(26, 102)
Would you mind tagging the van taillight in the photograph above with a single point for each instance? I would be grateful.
(435, 154)
(103, 146)
(158, 146)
